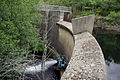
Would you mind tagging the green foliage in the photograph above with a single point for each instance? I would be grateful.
(83, 13)
(114, 17)
(86, 7)
(18, 35)
(17, 29)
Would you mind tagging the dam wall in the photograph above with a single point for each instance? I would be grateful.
(66, 39)
(87, 60)
(76, 43)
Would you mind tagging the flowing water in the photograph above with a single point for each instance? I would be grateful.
(110, 44)
(34, 72)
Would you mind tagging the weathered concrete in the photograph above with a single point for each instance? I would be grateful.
(67, 16)
(83, 24)
(54, 17)
(50, 18)
(59, 36)
(66, 24)
(87, 61)
(66, 39)
(85, 57)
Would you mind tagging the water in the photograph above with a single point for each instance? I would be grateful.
(110, 44)
(34, 72)
(37, 68)
(113, 71)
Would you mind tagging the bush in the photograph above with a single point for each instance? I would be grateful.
(17, 33)
(114, 17)
(16, 28)
(81, 14)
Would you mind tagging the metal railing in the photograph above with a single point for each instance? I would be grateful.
(54, 8)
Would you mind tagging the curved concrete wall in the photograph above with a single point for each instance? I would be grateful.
(85, 57)
(66, 39)
(81, 50)
(87, 61)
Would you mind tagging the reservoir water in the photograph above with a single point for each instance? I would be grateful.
(110, 44)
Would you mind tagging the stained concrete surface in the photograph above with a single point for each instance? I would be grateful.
(87, 61)
(83, 24)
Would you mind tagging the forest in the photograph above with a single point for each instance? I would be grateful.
(18, 36)
(110, 9)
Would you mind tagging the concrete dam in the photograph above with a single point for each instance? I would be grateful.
(73, 39)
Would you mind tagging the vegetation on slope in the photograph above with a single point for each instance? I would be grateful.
(18, 36)
(105, 8)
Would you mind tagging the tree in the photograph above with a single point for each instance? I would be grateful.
(18, 35)
(17, 28)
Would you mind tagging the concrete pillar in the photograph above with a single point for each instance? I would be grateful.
(54, 17)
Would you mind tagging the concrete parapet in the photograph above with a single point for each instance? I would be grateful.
(66, 24)
(87, 60)
(83, 24)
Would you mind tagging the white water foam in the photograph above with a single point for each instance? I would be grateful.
(37, 68)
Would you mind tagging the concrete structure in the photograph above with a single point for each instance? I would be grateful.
(66, 40)
(75, 41)
(87, 61)
(67, 25)
(50, 18)
(83, 24)
(54, 8)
